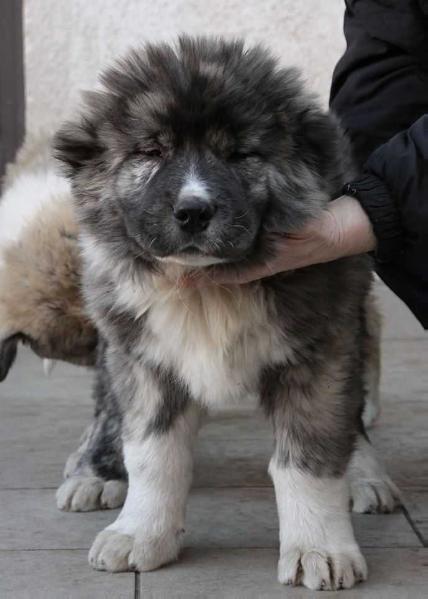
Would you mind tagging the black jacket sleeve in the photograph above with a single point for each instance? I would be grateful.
(380, 93)
(380, 85)
(393, 190)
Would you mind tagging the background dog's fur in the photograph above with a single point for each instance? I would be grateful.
(40, 267)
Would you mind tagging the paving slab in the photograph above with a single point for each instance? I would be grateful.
(59, 575)
(406, 462)
(401, 436)
(31, 424)
(231, 543)
(251, 574)
(222, 518)
(234, 463)
(398, 322)
(416, 503)
(35, 440)
(403, 445)
(248, 424)
(30, 520)
(236, 574)
(35, 443)
(246, 517)
(404, 370)
(26, 381)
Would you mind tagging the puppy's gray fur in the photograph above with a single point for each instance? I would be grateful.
(245, 138)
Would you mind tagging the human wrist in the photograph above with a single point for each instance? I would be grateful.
(377, 202)
(352, 232)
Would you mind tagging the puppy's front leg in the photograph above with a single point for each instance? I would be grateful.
(158, 442)
(318, 548)
(317, 544)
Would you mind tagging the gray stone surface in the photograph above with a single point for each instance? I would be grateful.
(58, 575)
(246, 517)
(36, 438)
(26, 381)
(231, 543)
(416, 503)
(401, 435)
(251, 574)
(30, 520)
(398, 321)
(216, 518)
(232, 463)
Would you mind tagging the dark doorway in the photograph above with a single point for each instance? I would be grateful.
(12, 100)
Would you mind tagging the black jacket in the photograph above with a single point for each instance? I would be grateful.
(380, 93)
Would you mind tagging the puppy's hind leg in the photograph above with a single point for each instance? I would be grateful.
(372, 490)
(95, 475)
(371, 340)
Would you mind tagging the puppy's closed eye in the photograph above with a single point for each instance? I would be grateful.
(240, 155)
(150, 152)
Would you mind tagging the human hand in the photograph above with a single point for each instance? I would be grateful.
(343, 229)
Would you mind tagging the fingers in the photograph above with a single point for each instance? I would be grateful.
(217, 276)
(234, 275)
(287, 254)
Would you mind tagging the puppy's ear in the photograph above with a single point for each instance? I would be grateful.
(8, 349)
(323, 142)
(75, 145)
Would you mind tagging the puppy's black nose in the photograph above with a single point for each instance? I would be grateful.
(193, 213)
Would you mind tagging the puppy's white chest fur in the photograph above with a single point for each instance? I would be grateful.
(216, 339)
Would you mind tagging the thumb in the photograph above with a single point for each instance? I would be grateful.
(225, 276)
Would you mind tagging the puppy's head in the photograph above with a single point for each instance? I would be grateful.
(193, 153)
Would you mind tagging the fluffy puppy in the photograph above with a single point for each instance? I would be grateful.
(40, 266)
(192, 156)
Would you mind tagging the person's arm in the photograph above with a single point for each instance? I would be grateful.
(380, 84)
(343, 229)
(394, 193)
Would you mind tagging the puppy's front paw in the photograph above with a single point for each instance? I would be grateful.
(320, 570)
(117, 552)
(87, 493)
(110, 551)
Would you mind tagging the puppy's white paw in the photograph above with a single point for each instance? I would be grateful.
(317, 543)
(113, 494)
(374, 496)
(117, 552)
(84, 494)
(320, 570)
(110, 551)
(71, 465)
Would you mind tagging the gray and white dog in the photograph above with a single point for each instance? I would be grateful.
(192, 156)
